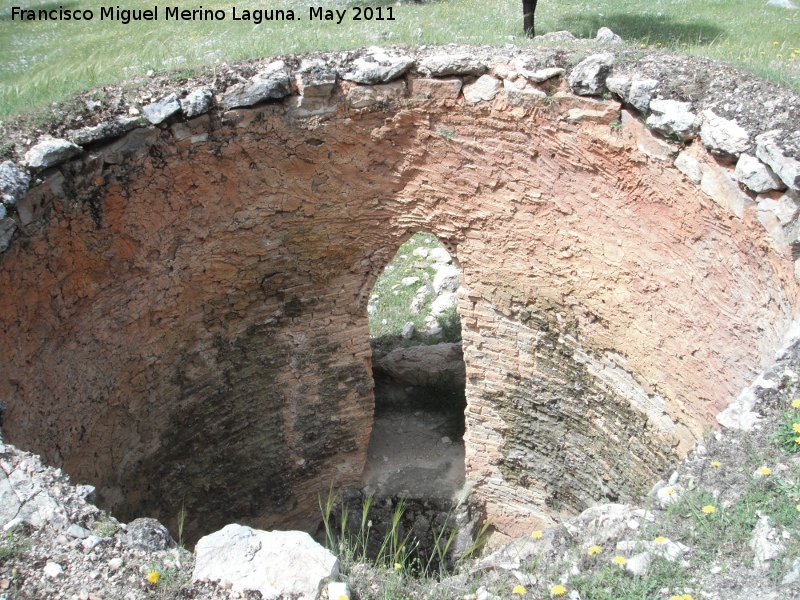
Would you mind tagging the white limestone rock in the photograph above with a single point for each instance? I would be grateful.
(440, 255)
(50, 152)
(271, 83)
(588, 78)
(673, 118)
(639, 564)
(160, 111)
(441, 65)
(378, 66)
(446, 279)
(765, 544)
(524, 98)
(279, 564)
(443, 303)
(756, 175)
(606, 36)
(555, 37)
(785, 167)
(13, 183)
(482, 90)
(722, 136)
(689, 166)
(105, 131)
(198, 102)
(637, 92)
(538, 76)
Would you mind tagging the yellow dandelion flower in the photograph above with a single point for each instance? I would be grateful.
(765, 471)
(153, 576)
(796, 427)
(798, 508)
(343, 597)
(594, 550)
(687, 597)
(620, 560)
(670, 491)
(716, 463)
(660, 539)
(774, 43)
(709, 509)
(558, 590)
(536, 534)
(519, 590)
(796, 401)
(762, 53)
(797, 440)
(644, 45)
(779, 55)
(397, 566)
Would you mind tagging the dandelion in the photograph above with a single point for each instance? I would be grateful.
(709, 509)
(660, 539)
(774, 43)
(716, 463)
(594, 550)
(519, 590)
(620, 560)
(558, 590)
(397, 566)
(797, 440)
(644, 45)
(796, 427)
(676, 598)
(536, 534)
(765, 471)
(687, 597)
(796, 401)
(153, 576)
(779, 55)
(343, 597)
(798, 508)
(670, 492)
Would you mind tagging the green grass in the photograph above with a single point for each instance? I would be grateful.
(391, 299)
(46, 61)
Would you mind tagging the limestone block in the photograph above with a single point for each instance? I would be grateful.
(524, 98)
(785, 167)
(446, 279)
(148, 534)
(368, 95)
(723, 137)
(689, 166)
(442, 65)
(637, 92)
(50, 152)
(672, 118)
(766, 544)
(539, 75)
(378, 66)
(271, 83)
(719, 184)
(482, 90)
(315, 79)
(7, 229)
(756, 175)
(279, 564)
(197, 102)
(606, 36)
(105, 131)
(588, 78)
(13, 183)
(435, 89)
(301, 107)
(160, 111)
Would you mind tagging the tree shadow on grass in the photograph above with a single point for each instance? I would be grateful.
(651, 28)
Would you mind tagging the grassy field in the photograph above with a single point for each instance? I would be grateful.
(44, 61)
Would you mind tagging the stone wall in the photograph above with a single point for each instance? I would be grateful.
(184, 307)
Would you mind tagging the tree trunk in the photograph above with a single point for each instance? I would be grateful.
(528, 13)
